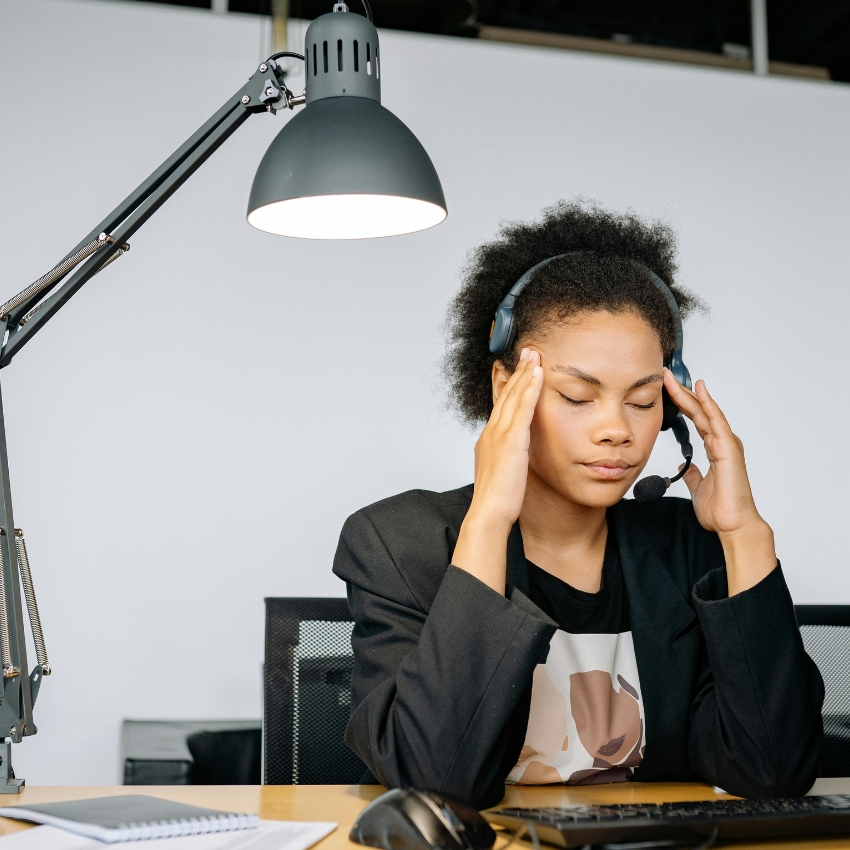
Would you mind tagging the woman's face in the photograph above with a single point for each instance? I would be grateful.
(600, 409)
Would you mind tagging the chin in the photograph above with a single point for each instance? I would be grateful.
(600, 494)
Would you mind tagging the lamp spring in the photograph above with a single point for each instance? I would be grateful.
(9, 669)
(32, 605)
(54, 274)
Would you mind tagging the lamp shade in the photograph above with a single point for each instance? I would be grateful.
(345, 167)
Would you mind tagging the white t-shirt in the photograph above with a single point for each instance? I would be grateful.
(586, 723)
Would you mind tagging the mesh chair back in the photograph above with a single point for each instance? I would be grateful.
(826, 636)
(307, 684)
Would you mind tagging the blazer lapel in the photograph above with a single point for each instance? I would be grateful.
(517, 574)
(654, 599)
(661, 620)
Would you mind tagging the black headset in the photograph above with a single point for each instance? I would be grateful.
(503, 334)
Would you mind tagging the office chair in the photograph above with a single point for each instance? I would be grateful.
(307, 690)
(826, 636)
(307, 683)
(191, 752)
(225, 757)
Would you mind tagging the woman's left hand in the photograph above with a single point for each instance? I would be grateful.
(723, 501)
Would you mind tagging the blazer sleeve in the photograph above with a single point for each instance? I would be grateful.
(756, 726)
(433, 690)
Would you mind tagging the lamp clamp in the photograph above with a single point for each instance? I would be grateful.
(263, 89)
(267, 90)
(271, 93)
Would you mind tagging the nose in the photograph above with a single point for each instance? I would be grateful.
(612, 426)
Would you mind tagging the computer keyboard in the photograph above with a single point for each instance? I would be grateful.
(683, 824)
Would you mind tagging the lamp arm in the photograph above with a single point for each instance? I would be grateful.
(264, 91)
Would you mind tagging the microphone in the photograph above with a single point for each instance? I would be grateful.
(654, 486)
(651, 488)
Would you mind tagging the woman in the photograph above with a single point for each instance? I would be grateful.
(536, 627)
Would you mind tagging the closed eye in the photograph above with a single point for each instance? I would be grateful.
(574, 400)
(580, 402)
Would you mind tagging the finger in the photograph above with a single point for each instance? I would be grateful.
(692, 479)
(527, 402)
(681, 394)
(676, 385)
(688, 403)
(518, 390)
(712, 409)
(498, 404)
(512, 379)
(708, 419)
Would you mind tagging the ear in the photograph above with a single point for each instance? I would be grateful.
(499, 377)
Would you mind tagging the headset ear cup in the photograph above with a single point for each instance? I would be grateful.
(501, 332)
(670, 410)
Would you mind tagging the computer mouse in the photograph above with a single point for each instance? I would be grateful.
(408, 819)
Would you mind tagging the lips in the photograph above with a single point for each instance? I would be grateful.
(609, 469)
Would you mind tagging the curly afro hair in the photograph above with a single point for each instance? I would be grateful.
(612, 278)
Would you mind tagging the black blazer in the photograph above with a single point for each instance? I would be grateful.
(443, 664)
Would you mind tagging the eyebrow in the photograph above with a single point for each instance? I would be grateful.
(590, 379)
(649, 379)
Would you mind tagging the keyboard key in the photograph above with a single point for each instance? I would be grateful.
(575, 826)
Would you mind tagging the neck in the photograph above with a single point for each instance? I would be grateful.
(563, 537)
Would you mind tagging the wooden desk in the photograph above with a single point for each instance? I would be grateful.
(342, 803)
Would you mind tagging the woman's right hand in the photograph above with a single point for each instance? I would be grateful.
(501, 473)
(501, 452)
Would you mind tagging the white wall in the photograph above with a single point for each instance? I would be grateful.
(189, 434)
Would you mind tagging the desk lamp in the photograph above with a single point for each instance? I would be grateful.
(344, 168)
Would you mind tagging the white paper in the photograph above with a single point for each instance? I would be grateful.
(269, 835)
(46, 838)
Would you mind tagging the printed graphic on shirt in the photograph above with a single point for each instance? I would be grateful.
(586, 723)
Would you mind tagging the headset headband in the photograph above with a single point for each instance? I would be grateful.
(503, 330)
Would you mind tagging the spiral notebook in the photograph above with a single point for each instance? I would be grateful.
(133, 817)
